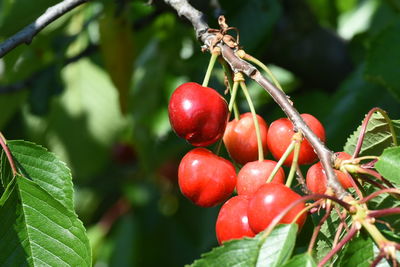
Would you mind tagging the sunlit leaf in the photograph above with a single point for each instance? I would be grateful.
(301, 260)
(377, 137)
(389, 164)
(258, 251)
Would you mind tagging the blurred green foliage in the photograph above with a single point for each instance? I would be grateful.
(337, 59)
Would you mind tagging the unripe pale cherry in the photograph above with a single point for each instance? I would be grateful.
(240, 138)
(198, 114)
(205, 178)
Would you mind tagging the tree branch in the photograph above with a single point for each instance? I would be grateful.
(29, 32)
(237, 64)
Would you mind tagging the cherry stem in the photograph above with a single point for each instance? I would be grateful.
(369, 180)
(350, 234)
(255, 120)
(229, 78)
(118, 209)
(264, 67)
(379, 192)
(377, 259)
(318, 228)
(354, 184)
(294, 164)
(233, 96)
(289, 150)
(342, 219)
(3, 143)
(364, 129)
(374, 232)
(301, 180)
(279, 217)
(366, 157)
(210, 67)
(376, 175)
(384, 212)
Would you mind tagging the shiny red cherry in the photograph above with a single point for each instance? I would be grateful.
(280, 135)
(269, 200)
(198, 114)
(316, 177)
(240, 138)
(232, 221)
(254, 174)
(205, 178)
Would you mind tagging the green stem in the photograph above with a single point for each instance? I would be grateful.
(289, 150)
(210, 67)
(265, 68)
(374, 232)
(256, 125)
(228, 73)
(294, 164)
(233, 97)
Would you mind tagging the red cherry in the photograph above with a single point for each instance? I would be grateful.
(280, 136)
(232, 221)
(269, 200)
(240, 138)
(123, 153)
(254, 174)
(169, 170)
(316, 178)
(198, 114)
(205, 178)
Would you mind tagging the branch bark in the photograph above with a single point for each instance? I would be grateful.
(29, 32)
(237, 64)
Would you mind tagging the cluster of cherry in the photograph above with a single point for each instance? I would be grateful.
(200, 115)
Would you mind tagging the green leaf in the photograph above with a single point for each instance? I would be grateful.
(45, 170)
(377, 137)
(258, 251)
(385, 201)
(37, 230)
(327, 235)
(388, 164)
(88, 103)
(302, 260)
(382, 66)
(358, 252)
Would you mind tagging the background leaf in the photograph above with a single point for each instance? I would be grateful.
(382, 66)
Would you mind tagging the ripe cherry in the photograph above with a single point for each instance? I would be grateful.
(198, 114)
(269, 200)
(205, 178)
(254, 174)
(123, 153)
(232, 221)
(240, 138)
(280, 136)
(316, 177)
